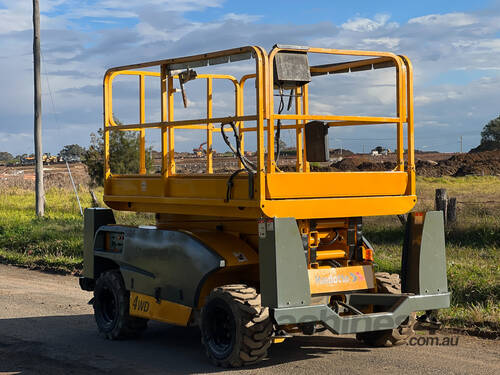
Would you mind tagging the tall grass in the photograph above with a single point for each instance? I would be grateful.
(54, 241)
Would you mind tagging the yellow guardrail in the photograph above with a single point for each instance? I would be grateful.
(264, 115)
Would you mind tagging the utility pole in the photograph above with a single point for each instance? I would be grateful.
(461, 143)
(39, 192)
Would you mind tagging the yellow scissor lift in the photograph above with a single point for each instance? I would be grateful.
(273, 242)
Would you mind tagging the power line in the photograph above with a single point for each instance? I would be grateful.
(50, 92)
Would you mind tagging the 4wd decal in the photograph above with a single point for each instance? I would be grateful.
(149, 307)
(139, 304)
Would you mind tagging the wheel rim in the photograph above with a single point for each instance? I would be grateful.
(220, 329)
(108, 302)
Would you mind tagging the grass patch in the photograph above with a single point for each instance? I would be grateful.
(55, 241)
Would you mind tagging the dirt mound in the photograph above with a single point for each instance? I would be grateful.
(369, 166)
(357, 164)
(341, 152)
(480, 164)
(346, 164)
(486, 146)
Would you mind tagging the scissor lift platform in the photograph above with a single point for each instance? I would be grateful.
(265, 191)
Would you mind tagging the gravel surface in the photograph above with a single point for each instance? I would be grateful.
(47, 327)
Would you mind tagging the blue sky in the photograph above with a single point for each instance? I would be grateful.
(454, 45)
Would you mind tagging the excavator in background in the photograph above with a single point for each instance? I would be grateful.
(200, 151)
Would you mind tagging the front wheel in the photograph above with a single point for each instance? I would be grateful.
(111, 308)
(235, 328)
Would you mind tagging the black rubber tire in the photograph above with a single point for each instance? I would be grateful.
(235, 329)
(111, 308)
(389, 283)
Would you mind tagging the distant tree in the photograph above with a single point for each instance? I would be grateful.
(70, 152)
(123, 151)
(490, 137)
(491, 131)
(5, 156)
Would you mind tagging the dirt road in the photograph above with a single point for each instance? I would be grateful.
(47, 327)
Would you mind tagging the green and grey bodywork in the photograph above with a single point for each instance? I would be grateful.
(165, 264)
(173, 265)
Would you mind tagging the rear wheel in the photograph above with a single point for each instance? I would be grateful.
(235, 328)
(389, 283)
(111, 308)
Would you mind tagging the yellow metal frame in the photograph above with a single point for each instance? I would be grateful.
(302, 194)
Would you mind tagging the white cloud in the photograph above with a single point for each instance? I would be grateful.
(386, 42)
(173, 5)
(241, 17)
(449, 19)
(360, 24)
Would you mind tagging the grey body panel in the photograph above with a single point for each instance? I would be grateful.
(284, 280)
(423, 263)
(169, 265)
(93, 219)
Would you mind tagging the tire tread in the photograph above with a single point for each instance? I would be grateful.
(255, 324)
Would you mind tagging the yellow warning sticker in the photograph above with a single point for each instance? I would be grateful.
(339, 279)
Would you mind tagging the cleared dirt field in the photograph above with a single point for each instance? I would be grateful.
(427, 165)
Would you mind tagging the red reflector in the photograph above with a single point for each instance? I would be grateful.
(368, 254)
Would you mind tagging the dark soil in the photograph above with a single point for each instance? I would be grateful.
(427, 164)
(480, 164)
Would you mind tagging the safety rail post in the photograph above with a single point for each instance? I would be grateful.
(164, 139)
(305, 111)
(271, 162)
(260, 79)
(107, 98)
(142, 120)
(241, 111)
(170, 117)
(299, 130)
(209, 153)
(400, 114)
(237, 111)
(241, 124)
(270, 140)
(410, 125)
